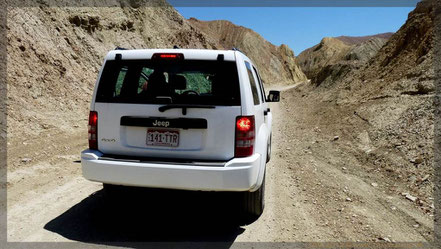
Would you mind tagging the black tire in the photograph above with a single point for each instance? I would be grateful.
(268, 150)
(253, 204)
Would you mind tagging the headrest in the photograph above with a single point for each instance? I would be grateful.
(157, 78)
(178, 82)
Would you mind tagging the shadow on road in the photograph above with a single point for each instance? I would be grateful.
(140, 215)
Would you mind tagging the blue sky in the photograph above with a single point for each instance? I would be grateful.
(303, 27)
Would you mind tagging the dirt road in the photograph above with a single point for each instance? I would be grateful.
(315, 192)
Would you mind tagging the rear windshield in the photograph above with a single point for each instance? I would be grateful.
(178, 82)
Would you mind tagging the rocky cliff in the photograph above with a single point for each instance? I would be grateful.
(277, 65)
(328, 52)
(335, 57)
(354, 40)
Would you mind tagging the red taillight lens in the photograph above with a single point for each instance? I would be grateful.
(93, 130)
(244, 124)
(171, 56)
(245, 133)
(166, 56)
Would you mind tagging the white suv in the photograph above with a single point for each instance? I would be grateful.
(181, 119)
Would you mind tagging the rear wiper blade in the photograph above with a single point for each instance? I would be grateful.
(184, 107)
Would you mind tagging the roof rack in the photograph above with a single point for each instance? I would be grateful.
(176, 47)
(120, 48)
(236, 49)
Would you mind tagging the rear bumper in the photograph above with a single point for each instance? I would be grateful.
(239, 174)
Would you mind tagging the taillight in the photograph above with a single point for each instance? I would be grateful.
(93, 130)
(245, 133)
(168, 56)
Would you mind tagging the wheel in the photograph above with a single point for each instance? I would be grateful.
(253, 204)
(268, 151)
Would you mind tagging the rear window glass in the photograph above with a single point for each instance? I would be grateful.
(178, 82)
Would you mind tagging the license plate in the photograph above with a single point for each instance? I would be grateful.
(166, 138)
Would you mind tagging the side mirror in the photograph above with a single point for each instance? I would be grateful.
(273, 96)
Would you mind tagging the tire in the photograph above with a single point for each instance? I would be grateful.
(268, 150)
(253, 204)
